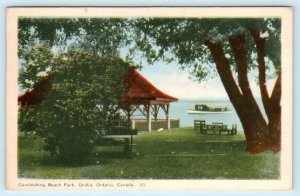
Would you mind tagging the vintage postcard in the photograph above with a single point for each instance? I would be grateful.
(149, 98)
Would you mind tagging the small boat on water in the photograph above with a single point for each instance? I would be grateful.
(206, 109)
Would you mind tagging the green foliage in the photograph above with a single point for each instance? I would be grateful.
(46, 28)
(103, 36)
(184, 39)
(81, 105)
(169, 39)
(35, 65)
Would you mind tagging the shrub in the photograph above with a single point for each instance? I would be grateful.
(79, 107)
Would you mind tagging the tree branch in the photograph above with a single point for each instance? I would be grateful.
(276, 93)
(223, 68)
(260, 46)
(239, 51)
(238, 45)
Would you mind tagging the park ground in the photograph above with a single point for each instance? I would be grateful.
(176, 154)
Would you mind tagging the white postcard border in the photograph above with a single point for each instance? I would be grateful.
(15, 183)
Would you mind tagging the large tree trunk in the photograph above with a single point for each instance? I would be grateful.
(254, 125)
(238, 45)
(275, 116)
(271, 104)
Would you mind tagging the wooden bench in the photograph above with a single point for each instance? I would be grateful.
(233, 130)
(216, 128)
(200, 126)
(118, 133)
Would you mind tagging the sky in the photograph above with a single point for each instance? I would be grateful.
(175, 82)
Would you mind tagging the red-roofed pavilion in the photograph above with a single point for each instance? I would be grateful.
(141, 96)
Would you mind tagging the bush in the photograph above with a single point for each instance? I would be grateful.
(79, 107)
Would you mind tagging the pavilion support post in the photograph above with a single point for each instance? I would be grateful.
(133, 124)
(149, 117)
(128, 118)
(168, 116)
(156, 110)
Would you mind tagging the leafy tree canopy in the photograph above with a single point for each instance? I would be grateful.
(180, 39)
(183, 39)
(98, 35)
(40, 38)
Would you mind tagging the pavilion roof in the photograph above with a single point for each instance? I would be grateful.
(140, 90)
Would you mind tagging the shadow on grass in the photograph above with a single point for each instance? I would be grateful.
(32, 160)
(222, 147)
(106, 155)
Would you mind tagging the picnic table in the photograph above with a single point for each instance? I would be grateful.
(121, 132)
(213, 128)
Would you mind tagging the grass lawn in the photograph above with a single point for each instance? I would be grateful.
(176, 154)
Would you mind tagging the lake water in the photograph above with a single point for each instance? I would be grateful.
(180, 110)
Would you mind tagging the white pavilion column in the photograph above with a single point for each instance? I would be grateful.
(168, 116)
(149, 117)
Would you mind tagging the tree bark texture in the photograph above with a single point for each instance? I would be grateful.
(259, 138)
(271, 104)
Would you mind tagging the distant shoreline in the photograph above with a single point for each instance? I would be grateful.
(209, 100)
(203, 100)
